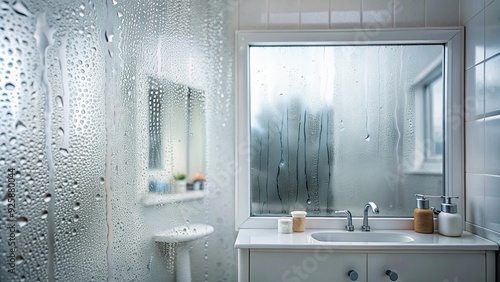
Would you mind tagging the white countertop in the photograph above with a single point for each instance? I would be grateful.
(271, 239)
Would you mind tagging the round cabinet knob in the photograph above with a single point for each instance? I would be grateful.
(353, 275)
(392, 275)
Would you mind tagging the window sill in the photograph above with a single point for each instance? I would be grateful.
(156, 199)
(427, 169)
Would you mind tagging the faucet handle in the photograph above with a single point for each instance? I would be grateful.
(349, 226)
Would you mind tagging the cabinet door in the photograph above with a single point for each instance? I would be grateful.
(297, 266)
(429, 267)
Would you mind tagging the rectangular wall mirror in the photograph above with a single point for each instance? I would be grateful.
(334, 123)
(176, 129)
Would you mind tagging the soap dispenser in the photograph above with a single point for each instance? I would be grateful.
(423, 217)
(449, 221)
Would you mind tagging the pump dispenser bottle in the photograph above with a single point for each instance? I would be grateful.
(449, 221)
(423, 217)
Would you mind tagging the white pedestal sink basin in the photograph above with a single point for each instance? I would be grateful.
(184, 237)
(362, 237)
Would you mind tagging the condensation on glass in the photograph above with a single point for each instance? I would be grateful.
(333, 127)
(75, 92)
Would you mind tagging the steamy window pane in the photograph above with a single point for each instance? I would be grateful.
(333, 127)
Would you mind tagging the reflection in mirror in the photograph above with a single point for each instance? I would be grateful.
(333, 127)
(176, 130)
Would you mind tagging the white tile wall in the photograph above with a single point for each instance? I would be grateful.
(284, 14)
(482, 35)
(474, 92)
(492, 85)
(377, 13)
(474, 156)
(470, 8)
(345, 14)
(475, 198)
(492, 29)
(315, 14)
(474, 40)
(491, 145)
(436, 15)
(408, 13)
(341, 14)
(491, 200)
(253, 14)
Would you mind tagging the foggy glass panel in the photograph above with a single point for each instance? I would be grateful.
(74, 137)
(333, 127)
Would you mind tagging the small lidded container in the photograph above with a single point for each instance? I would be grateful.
(284, 225)
(299, 221)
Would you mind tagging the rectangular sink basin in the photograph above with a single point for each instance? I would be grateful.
(363, 237)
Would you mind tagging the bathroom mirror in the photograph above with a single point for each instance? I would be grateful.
(333, 122)
(176, 129)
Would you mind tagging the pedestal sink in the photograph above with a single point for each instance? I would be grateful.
(184, 237)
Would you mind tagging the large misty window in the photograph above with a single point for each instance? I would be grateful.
(332, 127)
(333, 122)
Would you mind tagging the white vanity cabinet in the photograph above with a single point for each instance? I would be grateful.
(296, 266)
(431, 267)
(267, 256)
(323, 265)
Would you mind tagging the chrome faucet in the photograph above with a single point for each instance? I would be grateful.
(349, 226)
(374, 207)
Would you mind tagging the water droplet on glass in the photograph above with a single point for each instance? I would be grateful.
(59, 101)
(282, 162)
(19, 259)
(47, 197)
(98, 197)
(308, 201)
(150, 263)
(76, 206)
(20, 127)
(22, 221)
(64, 152)
(9, 86)
(109, 37)
(367, 137)
(45, 214)
(101, 180)
(21, 9)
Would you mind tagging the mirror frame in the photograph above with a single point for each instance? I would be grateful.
(451, 37)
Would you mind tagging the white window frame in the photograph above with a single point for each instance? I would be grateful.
(451, 38)
(421, 163)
